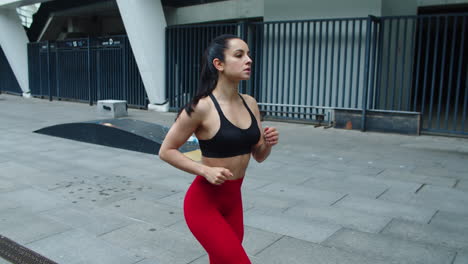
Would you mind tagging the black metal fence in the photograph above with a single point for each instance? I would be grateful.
(8, 82)
(303, 69)
(86, 70)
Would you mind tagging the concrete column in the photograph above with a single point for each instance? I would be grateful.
(145, 25)
(13, 41)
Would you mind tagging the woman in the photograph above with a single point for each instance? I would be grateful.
(227, 125)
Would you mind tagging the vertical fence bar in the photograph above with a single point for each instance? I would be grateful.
(395, 69)
(123, 51)
(413, 41)
(343, 90)
(57, 83)
(296, 37)
(460, 59)
(388, 61)
(420, 22)
(441, 83)
(89, 71)
(358, 65)
(169, 67)
(325, 67)
(426, 65)
(268, 86)
(403, 62)
(452, 62)
(289, 69)
(373, 42)
(352, 65)
(338, 67)
(312, 81)
(366, 74)
(319, 63)
(434, 67)
(332, 63)
(300, 98)
(284, 85)
(306, 91)
(48, 71)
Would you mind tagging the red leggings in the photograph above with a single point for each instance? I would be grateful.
(214, 215)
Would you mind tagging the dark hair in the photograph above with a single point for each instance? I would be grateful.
(209, 74)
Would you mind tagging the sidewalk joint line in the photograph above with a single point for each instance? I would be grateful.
(383, 228)
(436, 212)
(420, 187)
(269, 245)
(454, 257)
(339, 200)
(378, 196)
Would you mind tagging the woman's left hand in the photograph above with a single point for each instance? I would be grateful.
(271, 136)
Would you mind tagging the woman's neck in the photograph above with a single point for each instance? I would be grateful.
(226, 90)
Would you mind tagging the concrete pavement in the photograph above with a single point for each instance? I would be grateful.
(323, 196)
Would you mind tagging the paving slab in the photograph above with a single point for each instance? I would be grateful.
(23, 226)
(314, 182)
(387, 208)
(450, 220)
(296, 192)
(78, 247)
(398, 250)
(147, 211)
(428, 234)
(297, 227)
(151, 241)
(92, 220)
(340, 216)
(440, 198)
(461, 258)
(462, 185)
(35, 200)
(296, 251)
(407, 176)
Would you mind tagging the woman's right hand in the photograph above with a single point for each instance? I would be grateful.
(218, 175)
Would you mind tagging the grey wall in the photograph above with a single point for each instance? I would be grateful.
(440, 2)
(307, 9)
(217, 11)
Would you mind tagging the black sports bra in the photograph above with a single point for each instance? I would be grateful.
(230, 140)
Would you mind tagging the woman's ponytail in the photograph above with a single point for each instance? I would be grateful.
(209, 74)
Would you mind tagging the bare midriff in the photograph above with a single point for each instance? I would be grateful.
(237, 164)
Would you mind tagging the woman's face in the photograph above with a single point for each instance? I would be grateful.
(237, 62)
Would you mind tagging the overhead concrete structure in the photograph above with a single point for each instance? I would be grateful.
(145, 24)
(13, 41)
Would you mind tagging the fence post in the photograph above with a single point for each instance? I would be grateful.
(366, 72)
(48, 71)
(89, 72)
(244, 35)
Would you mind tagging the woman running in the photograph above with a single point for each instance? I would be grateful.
(227, 125)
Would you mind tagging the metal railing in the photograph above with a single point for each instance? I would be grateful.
(86, 70)
(304, 69)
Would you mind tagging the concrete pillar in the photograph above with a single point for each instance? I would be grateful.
(145, 25)
(13, 41)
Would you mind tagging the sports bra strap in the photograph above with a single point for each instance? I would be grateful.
(216, 103)
(218, 107)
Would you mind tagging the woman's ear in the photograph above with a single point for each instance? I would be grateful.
(218, 64)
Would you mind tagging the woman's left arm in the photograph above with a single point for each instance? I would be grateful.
(269, 135)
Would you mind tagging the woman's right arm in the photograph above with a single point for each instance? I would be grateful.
(178, 134)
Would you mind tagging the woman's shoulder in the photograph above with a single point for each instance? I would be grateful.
(250, 100)
(203, 106)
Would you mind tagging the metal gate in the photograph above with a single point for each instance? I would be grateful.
(86, 70)
(304, 69)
